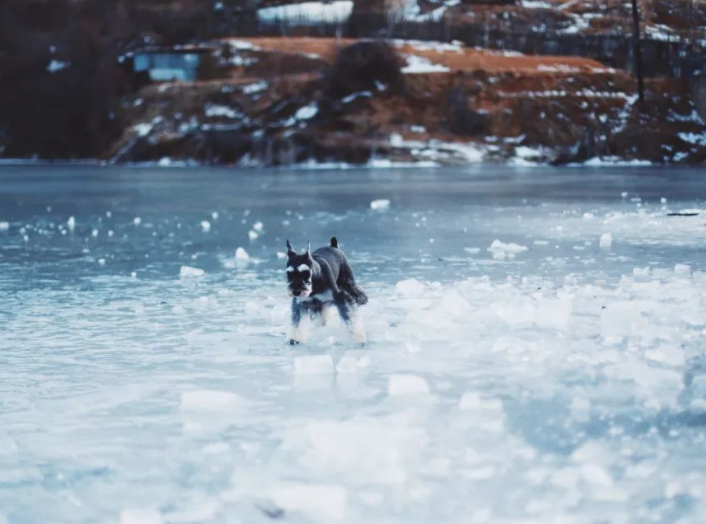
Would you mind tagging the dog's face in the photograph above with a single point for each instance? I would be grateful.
(299, 273)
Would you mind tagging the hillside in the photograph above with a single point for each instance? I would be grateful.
(452, 105)
(525, 80)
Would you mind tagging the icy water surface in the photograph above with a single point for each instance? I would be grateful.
(536, 348)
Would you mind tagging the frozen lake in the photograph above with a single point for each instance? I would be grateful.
(536, 351)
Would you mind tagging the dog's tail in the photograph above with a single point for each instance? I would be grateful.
(334, 242)
(357, 294)
(350, 288)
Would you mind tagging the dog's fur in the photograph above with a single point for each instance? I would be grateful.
(318, 281)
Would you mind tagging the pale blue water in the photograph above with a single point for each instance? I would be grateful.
(129, 394)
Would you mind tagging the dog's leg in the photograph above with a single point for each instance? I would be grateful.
(325, 315)
(297, 330)
(351, 318)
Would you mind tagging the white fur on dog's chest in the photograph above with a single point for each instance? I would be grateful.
(326, 296)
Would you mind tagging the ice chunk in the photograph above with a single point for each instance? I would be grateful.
(140, 516)
(363, 450)
(501, 250)
(380, 205)
(606, 241)
(351, 364)
(667, 355)
(622, 318)
(453, 304)
(407, 385)
(190, 272)
(410, 287)
(488, 414)
(212, 400)
(71, 223)
(241, 254)
(205, 226)
(554, 313)
(682, 269)
(252, 235)
(202, 509)
(515, 312)
(4, 226)
(258, 226)
(313, 364)
(137, 221)
(320, 502)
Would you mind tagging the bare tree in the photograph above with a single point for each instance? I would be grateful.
(638, 51)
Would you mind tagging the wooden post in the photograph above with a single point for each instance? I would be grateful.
(638, 51)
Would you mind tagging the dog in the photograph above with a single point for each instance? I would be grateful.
(317, 282)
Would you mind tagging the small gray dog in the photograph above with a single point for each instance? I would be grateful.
(316, 282)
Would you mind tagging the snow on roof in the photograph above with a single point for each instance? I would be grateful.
(308, 12)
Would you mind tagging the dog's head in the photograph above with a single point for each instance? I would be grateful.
(299, 272)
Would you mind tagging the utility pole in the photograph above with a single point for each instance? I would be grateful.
(638, 51)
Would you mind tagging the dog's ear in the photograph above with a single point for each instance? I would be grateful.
(290, 251)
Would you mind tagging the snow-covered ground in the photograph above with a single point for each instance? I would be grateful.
(536, 349)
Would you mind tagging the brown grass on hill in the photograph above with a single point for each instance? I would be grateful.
(465, 59)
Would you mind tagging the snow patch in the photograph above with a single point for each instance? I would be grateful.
(308, 13)
(421, 65)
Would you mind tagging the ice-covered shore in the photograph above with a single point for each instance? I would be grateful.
(514, 355)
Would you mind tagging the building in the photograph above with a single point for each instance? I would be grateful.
(176, 64)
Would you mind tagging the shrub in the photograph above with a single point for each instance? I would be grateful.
(462, 119)
(361, 66)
